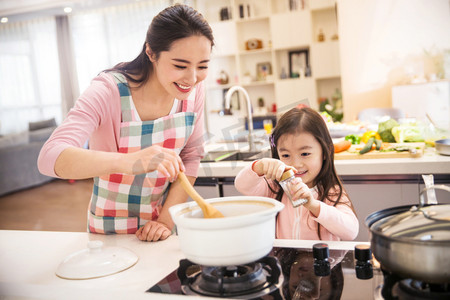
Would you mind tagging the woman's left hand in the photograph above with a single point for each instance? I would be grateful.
(153, 231)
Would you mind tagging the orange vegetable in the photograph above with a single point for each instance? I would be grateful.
(342, 146)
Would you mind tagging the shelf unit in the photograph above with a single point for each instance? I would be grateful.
(280, 30)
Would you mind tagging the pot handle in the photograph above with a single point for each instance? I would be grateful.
(422, 200)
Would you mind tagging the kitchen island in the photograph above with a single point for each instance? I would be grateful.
(429, 163)
(372, 184)
(29, 259)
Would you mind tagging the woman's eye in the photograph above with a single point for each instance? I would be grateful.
(285, 155)
(180, 67)
(305, 154)
(203, 67)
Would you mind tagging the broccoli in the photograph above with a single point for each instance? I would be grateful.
(385, 130)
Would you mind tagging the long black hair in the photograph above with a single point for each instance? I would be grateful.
(171, 24)
(308, 120)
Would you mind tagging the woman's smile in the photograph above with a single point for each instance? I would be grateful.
(183, 88)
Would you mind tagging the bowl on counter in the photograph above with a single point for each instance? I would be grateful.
(443, 146)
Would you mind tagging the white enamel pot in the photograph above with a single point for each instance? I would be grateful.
(245, 234)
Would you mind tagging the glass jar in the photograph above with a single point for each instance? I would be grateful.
(287, 181)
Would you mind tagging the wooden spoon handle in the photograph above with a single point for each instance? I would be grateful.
(190, 189)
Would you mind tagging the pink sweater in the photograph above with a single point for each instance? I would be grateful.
(337, 222)
(97, 115)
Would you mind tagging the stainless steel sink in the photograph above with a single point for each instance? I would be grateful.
(216, 156)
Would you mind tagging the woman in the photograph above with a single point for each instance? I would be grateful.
(144, 123)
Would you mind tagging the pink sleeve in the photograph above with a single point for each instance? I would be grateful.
(340, 220)
(95, 117)
(249, 183)
(193, 151)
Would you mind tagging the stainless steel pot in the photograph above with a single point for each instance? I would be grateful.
(413, 241)
(443, 146)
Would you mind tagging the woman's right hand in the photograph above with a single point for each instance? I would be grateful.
(271, 168)
(155, 158)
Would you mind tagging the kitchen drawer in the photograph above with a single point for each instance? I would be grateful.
(207, 187)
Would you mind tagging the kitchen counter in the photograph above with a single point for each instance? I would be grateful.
(429, 163)
(29, 259)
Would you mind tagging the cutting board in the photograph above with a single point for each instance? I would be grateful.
(353, 152)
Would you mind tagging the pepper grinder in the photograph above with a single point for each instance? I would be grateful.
(286, 181)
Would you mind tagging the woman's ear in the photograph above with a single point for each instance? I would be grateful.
(149, 52)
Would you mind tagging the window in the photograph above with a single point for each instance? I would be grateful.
(29, 74)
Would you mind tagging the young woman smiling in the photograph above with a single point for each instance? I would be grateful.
(144, 123)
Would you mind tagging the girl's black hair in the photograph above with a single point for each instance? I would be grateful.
(296, 121)
(171, 24)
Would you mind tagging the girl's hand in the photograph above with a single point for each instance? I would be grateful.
(271, 168)
(153, 231)
(300, 190)
(154, 158)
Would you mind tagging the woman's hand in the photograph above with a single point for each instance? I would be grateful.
(153, 231)
(155, 158)
(271, 168)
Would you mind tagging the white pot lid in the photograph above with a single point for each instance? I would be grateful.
(96, 261)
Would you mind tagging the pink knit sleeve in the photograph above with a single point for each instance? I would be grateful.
(193, 151)
(95, 108)
(249, 183)
(340, 220)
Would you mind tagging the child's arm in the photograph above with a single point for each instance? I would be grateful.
(271, 168)
(340, 220)
(250, 182)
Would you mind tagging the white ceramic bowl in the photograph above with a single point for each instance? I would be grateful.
(245, 234)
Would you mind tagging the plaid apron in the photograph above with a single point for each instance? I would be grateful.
(122, 203)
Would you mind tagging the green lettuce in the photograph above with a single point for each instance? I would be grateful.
(385, 130)
(407, 133)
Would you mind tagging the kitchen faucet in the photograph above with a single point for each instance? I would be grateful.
(249, 112)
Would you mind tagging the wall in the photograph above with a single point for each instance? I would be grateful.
(383, 44)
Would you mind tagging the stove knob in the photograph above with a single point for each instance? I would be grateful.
(363, 253)
(363, 266)
(320, 251)
(321, 263)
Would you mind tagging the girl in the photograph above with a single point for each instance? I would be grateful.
(301, 142)
(144, 122)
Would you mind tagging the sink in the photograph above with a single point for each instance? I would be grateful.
(216, 156)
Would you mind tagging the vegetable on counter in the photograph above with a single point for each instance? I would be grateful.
(353, 138)
(342, 146)
(385, 130)
(407, 133)
(372, 143)
(368, 146)
(370, 134)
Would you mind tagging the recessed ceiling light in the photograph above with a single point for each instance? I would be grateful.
(67, 9)
(4, 20)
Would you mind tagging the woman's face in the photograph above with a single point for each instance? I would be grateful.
(183, 66)
(303, 152)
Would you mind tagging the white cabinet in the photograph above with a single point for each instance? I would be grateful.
(277, 30)
(418, 100)
(368, 198)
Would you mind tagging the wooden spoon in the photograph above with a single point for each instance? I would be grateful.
(208, 210)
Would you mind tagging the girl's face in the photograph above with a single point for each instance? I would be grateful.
(303, 152)
(183, 66)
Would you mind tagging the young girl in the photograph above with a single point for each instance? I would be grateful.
(301, 142)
